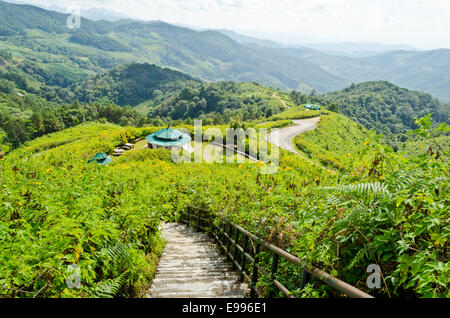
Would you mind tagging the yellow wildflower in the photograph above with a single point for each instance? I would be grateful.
(78, 251)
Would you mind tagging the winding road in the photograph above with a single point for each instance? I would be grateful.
(283, 137)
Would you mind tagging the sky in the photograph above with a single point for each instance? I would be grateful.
(424, 24)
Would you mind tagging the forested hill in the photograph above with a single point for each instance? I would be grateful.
(385, 107)
(131, 84)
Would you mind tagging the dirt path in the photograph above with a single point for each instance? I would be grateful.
(281, 100)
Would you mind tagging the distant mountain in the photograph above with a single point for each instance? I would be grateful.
(94, 14)
(43, 36)
(356, 49)
(97, 14)
(427, 71)
(103, 45)
(248, 39)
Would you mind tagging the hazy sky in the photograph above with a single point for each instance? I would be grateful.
(421, 23)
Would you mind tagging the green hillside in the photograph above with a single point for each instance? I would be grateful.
(385, 107)
(130, 84)
(170, 95)
(338, 142)
(60, 210)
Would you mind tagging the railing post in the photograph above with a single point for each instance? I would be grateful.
(275, 259)
(255, 271)
(244, 250)
(236, 238)
(198, 216)
(229, 240)
(306, 277)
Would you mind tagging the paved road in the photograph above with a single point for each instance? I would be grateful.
(283, 137)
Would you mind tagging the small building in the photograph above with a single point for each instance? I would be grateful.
(101, 158)
(312, 107)
(169, 139)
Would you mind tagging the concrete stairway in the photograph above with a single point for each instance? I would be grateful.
(191, 267)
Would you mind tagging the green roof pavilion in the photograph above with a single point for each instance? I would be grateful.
(101, 158)
(168, 138)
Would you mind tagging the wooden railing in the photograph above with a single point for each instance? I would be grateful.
(243, 249)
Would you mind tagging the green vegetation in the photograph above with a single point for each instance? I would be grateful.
(379, 106)
(64, 93)
(131, 84)
(296, 113)
(26, 117)
(219, 103)
(386, 108)
(58, 210)
(337, 142)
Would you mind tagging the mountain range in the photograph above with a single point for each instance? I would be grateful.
(43, 36)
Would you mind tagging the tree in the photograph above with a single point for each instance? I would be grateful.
(334, 107)
(7, 87)
(37, 124)
(3, 148)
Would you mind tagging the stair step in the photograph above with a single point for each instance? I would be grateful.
(192, 267)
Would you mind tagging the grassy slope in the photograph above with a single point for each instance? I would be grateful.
(337, 142)
(298, 112)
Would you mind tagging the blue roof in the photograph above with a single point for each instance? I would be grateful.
(100, 155)
(314, 107)
(168, 137)
(104, 162)
(101, 158)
